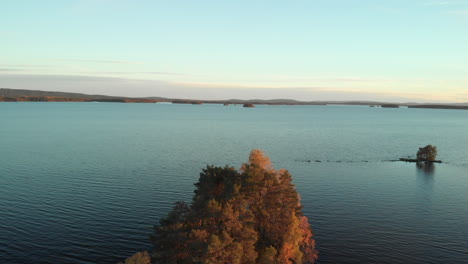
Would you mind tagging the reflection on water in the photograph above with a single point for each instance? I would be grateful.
(425, 168)
(425, 172)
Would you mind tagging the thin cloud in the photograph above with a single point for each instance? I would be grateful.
(130, 73)
(164, 73)
(458, 12)
(9, 70)
(119, 86)
(444, 3)
(6, 34)
(104, 61)
(295, 79)
(114, 73)
(27, 66)
(438, 3)
(463, 97)
(356, 79)
(220, 85)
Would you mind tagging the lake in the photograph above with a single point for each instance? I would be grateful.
(85, 182)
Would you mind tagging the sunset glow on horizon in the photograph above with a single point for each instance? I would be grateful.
(392, 51)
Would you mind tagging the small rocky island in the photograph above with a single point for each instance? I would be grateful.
(427, 154)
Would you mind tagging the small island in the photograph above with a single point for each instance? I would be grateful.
(389, 106)
(426, 154)
(253, 215)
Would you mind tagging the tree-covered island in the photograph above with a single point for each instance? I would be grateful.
(251, 216)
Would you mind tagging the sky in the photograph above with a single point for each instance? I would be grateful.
(383, 50)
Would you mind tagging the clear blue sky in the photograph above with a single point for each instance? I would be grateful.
(393, 50)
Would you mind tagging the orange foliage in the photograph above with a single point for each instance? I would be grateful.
(258, 158)
(247, 217)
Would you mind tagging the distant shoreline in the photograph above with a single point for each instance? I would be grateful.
(18, 95)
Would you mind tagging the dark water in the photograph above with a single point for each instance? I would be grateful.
(85, 182)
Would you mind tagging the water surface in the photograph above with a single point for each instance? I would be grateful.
(85, 182)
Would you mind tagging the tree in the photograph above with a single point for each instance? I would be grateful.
(428, 153)
(138, 258)
(248, 217)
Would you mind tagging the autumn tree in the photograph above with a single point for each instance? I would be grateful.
(428, 153)
(138, 258)
(247, 217)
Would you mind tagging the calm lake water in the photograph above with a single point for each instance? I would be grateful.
(85, 182)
